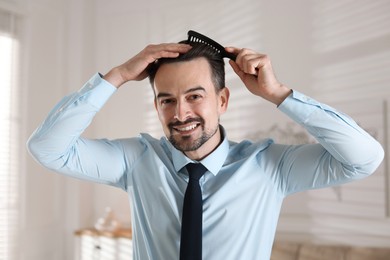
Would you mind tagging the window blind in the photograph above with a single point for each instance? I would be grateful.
(9, 133)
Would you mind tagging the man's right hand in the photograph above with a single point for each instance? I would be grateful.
(135, 68)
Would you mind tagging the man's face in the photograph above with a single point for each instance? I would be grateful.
(189, 107)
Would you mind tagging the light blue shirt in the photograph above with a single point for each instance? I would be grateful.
(242, 191)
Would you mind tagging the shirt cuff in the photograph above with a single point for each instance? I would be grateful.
(97, 91)
(299, 107)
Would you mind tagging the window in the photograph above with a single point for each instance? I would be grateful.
(9, 133)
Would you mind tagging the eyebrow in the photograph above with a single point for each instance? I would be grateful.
(164, 94)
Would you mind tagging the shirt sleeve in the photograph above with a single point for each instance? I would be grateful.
(344, 152)
(57, 143)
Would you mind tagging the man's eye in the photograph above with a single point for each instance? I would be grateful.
(166, 101)
(194, 97)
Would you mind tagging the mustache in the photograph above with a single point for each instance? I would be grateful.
(190, 120)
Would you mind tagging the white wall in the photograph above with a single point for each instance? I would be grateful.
(43, 198)
(336, 51)
(55, 45)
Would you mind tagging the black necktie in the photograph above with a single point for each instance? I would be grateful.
(191, 224)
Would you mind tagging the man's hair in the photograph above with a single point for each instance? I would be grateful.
(198, 50)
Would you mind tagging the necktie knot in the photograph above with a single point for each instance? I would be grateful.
(195, 170)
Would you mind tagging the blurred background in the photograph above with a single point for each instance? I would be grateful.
(336, 51)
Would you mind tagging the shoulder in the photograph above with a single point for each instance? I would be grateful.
(247, 148)
(142, 141)
(142, 145)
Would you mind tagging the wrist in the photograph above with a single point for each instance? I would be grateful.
(280, 95)
(114, 77)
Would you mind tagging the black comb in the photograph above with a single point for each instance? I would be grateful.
(200, 38)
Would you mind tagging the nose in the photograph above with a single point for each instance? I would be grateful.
(182, 112)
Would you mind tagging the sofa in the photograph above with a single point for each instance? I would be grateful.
(307, 251)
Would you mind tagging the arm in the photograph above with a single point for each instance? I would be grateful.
(345, 151)
(57, 143)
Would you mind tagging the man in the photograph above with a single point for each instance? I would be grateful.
(245, 183)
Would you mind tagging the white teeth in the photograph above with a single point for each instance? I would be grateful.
(188, 128)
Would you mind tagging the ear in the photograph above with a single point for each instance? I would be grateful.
(223, 98)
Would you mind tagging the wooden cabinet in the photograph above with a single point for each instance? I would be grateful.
(92, 244)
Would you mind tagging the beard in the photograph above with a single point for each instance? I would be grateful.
(187, 143)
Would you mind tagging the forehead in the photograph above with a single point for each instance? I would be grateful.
(179, 76)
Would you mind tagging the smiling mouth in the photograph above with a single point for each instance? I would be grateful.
(186, 128)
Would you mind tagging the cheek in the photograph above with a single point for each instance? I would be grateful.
(165, 115)
(209, 113)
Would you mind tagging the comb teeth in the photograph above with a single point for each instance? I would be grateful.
(197, 40)
(218, 48)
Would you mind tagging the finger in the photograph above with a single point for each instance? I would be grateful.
(251, 63)
(235, 67)
(248, 80)
(233, 50)
(165, 50)
(175, 47)
(165, 54)
(240, 59)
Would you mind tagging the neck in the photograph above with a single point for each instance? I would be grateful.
(207, 148)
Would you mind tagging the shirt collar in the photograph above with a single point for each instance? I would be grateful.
(213, 162)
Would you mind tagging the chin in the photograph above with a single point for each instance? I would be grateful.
(186, 143)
